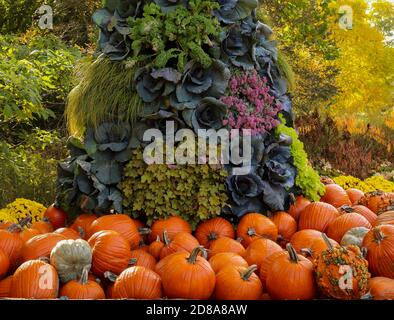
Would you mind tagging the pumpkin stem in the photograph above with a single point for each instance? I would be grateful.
(81, 232)
(327, 241)
(15, 227)
(364, 252)
(165, 238)
(346, 208)
(193, 256)
(45, 219)
(212, 236)
(248, 272)
(251, 232)
(378, 235)
(307, 252)
(25, 221)
(85, 275)
(44, 259)
(110, 276)
(132, 261)
(292, 253)
(144, 231)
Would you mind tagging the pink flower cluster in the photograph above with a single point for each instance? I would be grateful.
(250, 105)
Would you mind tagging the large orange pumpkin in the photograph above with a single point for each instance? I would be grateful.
(213, 229)
(259, 250)
(354, 195)
(172, 225)
(291, 277)
(182, 241)
(5, 287)
(286, 225)
(385, 218)
(266, 265)
(140, 257)
(11, 244)
(84, 289)
(188, 276)
(253, 226)
(365, 212)
(336, 196)
(317, 246)
(120, 223)
(298, 206)
(35, 279)
(224, 259)
(304, 239)
(28, 233)
(68, 233)
(4, 263)
(238, 283)
(82, 224)
(379, 243)
(344, 223)
(137, 283)
(56, 216)
(317, 216)
(225, 244)
(40, 246)
(377, 201)
(43, 226)
(110, 252)
(381, 288)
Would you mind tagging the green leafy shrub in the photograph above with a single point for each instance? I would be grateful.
(194, 192)
(308, 180)
(35, 76)
(28, 170)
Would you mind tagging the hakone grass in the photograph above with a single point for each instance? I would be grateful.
(105, 93)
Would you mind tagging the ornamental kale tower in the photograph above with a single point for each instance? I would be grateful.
(197, 64)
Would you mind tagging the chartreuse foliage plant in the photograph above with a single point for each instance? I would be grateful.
(307, 179)
(194, 192)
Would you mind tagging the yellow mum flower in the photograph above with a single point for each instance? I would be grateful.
(22, 208)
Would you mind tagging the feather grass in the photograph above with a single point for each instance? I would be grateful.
(105, 93)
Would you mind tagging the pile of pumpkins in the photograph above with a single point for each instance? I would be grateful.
(339, 248)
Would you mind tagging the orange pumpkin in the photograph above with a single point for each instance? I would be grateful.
(304, 239)
(28, 233)
(5, 225)
(317, 246)
(259, 250)
(224, 259)
(366, 213)
(379, 243)
(40, 246)
(42, 226)
(110, 252)
(155, 248)
(286, 225)
(172, 225)
(35, 279)
(354, 195)
(68, 233)
(84, 289)
(377, 201)
(140, 257)
(4, 263)
(137, 283)
(188, 276)
(182, 241)
(381, 288)
(213, 229)
(385, 218)
(226, 245)
(291, 277)
(11, 244)
(5, 287)
(317, 216)
(298, 206)
(344, 223)
(266, 265)
(55, 216)
(254, 226)
(336, 196)
(120, 223)
(238, 283)
(82, 224)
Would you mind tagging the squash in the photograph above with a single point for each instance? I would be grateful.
(5, 287)
(4, 264)
(213, 229)
(155, 248)
(316, 247)
(386, 217)
(254, 226)
(55, 216)
(28, 233)
(68, 233)
(259, 250)
(266, 265)
(291, 277)
(172, 225)
(380, 288)
(40, 246)
(286, 225)
(354, 195)
(82, 224)
(225, 244)
(304, 239)
(344, 223)
(140, 257)
(336, 196)
(377, 201)
(341, 272)
(365, 212)
(224, 259)
(70, 258)
(35, 279)
(42, 226)
(188, 275)
(298, 206)
(354, 236)
(84, 289)
(182, 241)
(11, 244)
(238, 283)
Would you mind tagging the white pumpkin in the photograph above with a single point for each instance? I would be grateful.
(354, 236)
